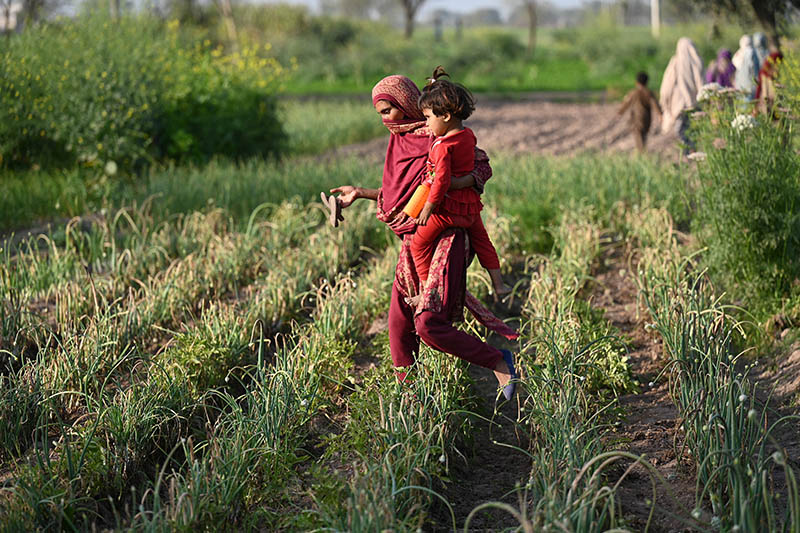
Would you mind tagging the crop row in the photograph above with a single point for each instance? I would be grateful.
(127, 373)
(729, 432)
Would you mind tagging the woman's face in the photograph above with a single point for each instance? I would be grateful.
(387, 111)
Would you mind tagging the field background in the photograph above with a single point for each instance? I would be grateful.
(186, 343)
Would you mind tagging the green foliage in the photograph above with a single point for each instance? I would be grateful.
(748, 212)
(536, 190)
(341, 55)
(730, 433)
(120, 94)
(315, 125)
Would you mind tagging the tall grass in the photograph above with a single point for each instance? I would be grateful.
(748, 207)
(40, 196)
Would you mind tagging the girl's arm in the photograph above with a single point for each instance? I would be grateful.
(349, 194)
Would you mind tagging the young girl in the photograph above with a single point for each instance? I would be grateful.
(452, 154)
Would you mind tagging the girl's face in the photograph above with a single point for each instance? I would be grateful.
(438, 125)
(388, 112)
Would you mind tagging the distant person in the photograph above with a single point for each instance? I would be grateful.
(766, 93)
(682, 79)
(746, 63)
(640, 102)
(761, 48)
(721, 69)
(435, 207)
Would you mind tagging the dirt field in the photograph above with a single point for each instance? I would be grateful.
(546, 128)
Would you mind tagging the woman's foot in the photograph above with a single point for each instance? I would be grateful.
(506, 374)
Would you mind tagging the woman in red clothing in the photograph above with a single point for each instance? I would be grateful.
(445, 106)
(431, 317)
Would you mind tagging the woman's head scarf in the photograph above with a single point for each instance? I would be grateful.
(721, 70)
(746, 69)
(682, 79)
(409, 142)
(760, 45)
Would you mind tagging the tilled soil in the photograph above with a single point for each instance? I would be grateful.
(546, 128)
(651, 424)
(494, 467)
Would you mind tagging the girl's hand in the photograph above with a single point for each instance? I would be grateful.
(347, 195)
(425, 214)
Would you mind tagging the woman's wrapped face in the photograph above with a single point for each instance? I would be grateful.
(388, 112)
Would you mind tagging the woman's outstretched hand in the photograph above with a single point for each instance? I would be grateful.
(347, 195)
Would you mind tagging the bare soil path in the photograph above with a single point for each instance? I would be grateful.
(493, 468)
(651, 424)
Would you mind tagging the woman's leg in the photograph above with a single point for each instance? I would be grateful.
(403, 341)
(436, 328)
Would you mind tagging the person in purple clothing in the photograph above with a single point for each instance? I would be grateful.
(721, 69)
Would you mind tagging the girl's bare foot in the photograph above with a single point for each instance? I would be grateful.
(500, 288)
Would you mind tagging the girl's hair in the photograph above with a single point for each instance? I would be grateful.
(444, 96)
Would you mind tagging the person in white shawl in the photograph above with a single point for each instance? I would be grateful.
(682, 79)
(746, 62)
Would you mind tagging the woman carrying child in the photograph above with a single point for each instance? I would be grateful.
(445, 106)
(445, 296)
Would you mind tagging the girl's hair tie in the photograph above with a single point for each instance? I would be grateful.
(438, 72)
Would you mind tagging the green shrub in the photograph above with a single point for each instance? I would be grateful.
(93, 91)
(748, 208)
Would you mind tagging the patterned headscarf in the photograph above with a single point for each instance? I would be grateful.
(409, 142)
(402, 93)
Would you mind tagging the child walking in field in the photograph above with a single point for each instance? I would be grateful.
(640, 101)
(445, 106)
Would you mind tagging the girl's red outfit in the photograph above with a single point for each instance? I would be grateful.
(452, 155)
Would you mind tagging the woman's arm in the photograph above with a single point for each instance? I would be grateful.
(349, 194)
(482, 171)
(462, 182)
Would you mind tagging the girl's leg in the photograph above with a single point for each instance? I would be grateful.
(482, 244)
(403, 341)
(487, 255)
(425, 240)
